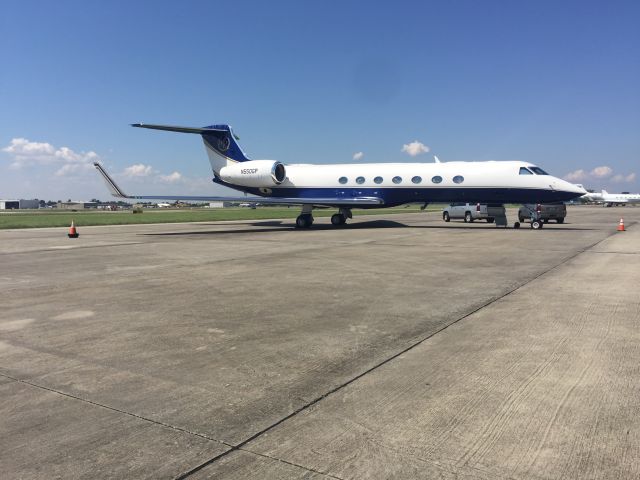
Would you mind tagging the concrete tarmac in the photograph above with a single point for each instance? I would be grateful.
(397, 346)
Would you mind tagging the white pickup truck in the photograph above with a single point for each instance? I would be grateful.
(470, 212)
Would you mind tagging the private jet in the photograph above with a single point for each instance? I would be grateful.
(613, 199)
(360, 185)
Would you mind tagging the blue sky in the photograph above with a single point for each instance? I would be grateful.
(554, 83)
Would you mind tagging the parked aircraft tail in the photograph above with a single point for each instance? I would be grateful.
(219, 141)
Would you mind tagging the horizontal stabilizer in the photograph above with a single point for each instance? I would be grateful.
(171, 128)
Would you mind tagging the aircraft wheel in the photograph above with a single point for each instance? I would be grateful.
(536, 224)
(445, 216)
(338, 219)
(304, 221)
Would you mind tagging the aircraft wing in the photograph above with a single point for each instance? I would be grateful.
(323, 201)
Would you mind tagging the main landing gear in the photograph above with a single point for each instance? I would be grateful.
(305, 219)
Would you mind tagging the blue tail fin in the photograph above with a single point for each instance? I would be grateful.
(219, 141)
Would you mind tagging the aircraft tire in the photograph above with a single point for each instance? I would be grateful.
(338, 219)
(304, 221)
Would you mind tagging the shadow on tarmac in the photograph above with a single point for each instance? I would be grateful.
(280, 226)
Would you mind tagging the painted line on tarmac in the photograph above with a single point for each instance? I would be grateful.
(72, 247)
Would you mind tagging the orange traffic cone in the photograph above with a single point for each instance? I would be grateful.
(73, 233)
(621, 225)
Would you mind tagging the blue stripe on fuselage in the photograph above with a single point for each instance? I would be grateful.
(394, 196)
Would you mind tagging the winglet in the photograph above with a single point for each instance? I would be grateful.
(436, 159)
(111, 185)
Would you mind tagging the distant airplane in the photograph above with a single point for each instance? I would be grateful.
(590, 196)
(611, 199)
(163, 205)
(373, 185)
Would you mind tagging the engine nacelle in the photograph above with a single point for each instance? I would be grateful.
(254, 173)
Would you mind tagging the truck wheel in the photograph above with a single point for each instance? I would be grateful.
(516, 225)
(490, 220)
(468, 218)
(536, 224)
(560, 220)
(521, 219)
(445, 216)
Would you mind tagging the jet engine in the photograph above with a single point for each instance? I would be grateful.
(254, 173)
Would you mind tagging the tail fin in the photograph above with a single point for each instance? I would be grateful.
(219, 141)
(604, 192)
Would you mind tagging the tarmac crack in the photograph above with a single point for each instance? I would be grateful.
(378, 365)
(113, 409)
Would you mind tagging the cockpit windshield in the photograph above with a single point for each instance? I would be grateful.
(525, 171)
(538, 171)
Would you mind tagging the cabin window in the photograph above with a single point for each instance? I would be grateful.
(377, 180)
(343, 180)
(436, 179)
(416, 179)
(525, 171)
(396, 180)
(360, 180)
(458, 179)
(538, 171)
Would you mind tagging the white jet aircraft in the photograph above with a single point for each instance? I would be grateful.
(611, 199)
(372, 185)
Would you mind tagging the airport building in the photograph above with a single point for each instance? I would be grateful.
(19, 204)
(76, 205)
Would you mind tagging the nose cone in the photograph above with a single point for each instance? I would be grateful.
(571, 189)
(578, 189)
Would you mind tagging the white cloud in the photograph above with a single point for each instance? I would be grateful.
(619, 178)
(576, 176)
(415, 148)
(598, 175)
(601, 172)
(171, 178)
(74, 169)
(138, 170)
(24, 153)
(358, 155)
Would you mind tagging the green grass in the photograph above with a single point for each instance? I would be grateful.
(49, 218)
